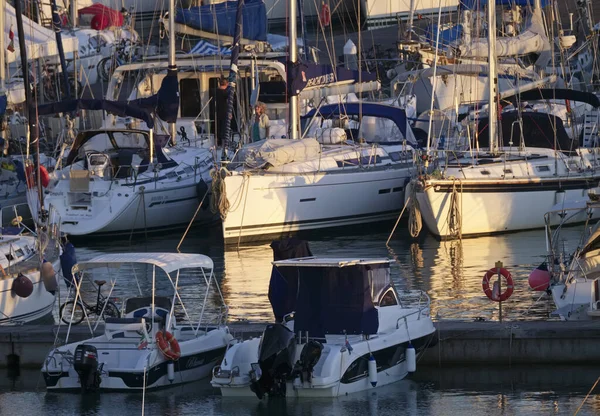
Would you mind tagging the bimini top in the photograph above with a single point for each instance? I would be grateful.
(168, 262)
(390, 112)
(330, 262)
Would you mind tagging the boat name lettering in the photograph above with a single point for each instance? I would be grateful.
(320, 80)
(194, 362)
(158, 198)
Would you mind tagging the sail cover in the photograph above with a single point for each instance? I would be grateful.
(479, 4)
(40, 41)
(220, 19)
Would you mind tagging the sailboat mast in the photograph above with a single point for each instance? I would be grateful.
(293, 48)
(29, 104)
(493, 78)
(172, 64)
(56, 26)
(233, 76)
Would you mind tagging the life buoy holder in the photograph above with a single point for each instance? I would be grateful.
(168, 345)
(325, 15)
(490, 293)
(30, 176)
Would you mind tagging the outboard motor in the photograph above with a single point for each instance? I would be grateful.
(85, 363)
(309, 357)
(276, 355)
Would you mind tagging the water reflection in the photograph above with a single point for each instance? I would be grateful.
(432, 391)
(451, 272)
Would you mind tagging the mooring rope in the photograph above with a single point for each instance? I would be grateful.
(454, 220)
(219, 202)
(415, 222)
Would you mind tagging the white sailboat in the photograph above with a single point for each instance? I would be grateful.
(126, 180)
(350, 169)
(506, 183)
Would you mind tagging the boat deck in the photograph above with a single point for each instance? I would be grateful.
(32, 264)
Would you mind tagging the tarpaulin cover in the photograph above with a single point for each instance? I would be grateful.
(335, 300)
(220, 19)
(103, 16)
(302, 75)
(283, 286)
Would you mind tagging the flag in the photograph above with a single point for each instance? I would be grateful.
(349, 347)
(143, 342)
(11, 36)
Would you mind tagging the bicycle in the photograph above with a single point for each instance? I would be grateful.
(76, 309)
(125, 52)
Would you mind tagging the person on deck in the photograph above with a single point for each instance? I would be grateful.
(261, 124)
(221, 113)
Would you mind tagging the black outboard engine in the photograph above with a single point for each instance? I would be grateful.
(85, 363)
(276, 355)
(309, 357)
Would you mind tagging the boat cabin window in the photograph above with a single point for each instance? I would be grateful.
(379, 279)
(190, 99)
(130, 139)
(388, 298)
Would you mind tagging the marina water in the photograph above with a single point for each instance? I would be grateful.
(450, 272)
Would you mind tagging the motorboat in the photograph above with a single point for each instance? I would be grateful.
(571, 274)
(351, 167)
(148, 346)
(109, 186)
(27, 285)
(341, 327)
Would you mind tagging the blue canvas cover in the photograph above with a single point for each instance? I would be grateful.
(302, 75)
(555, 94)
(447, 36)
(165, 103)
(220, 19)
(396, 114)
(283, 286)
(335, 300)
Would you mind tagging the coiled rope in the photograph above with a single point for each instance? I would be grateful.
(218, 200)
(415, 222)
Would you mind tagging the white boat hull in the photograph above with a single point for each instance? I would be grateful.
(278, 204)
(497, 207)
(140, 211)
(340, 368)
(124, 366)
(16, 310)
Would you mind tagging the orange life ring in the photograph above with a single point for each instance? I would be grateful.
(30, 176)
(325, 15)
(489, 292)
(168, 345)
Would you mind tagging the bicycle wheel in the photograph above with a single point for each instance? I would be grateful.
(105, 67)
(110, 311)
(71, 309)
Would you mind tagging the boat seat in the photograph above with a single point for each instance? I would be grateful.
(123, 320)
(100, 282)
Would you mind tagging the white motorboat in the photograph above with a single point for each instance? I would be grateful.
(345, 330)
(277, 187)
(27, 288)
(108, 184)
(147, 347)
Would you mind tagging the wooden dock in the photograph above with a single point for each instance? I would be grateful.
(459, 342)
